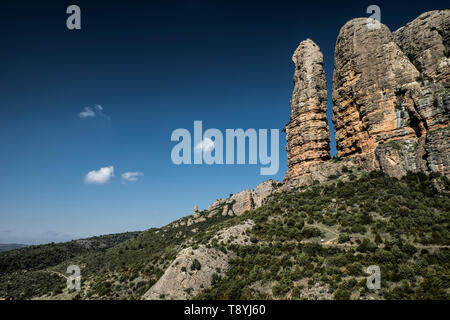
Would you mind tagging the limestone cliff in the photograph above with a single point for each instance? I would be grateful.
(391, 100)
(369, 70)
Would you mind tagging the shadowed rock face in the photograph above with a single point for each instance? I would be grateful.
(307, 131)
(426, 42)
(437, 149)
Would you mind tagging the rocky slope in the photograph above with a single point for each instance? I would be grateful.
(391, 103)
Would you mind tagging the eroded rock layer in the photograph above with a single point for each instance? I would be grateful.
(307, 131)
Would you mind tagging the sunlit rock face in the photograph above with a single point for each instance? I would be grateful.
(391, 101)
(374, 84)
(307, 131)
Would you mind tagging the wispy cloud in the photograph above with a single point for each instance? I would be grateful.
(131, 176)
(89, 112)
(206, 145)
(101, 176)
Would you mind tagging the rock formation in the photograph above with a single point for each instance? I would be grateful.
(182, 281)
(391, 108)
(307, 132)
(369, 70)
(426, 41)
(391, 101)
(243, 201)
(437, 149)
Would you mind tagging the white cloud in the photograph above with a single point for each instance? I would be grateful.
(206, 145)
(101, 176)
(131, 176)
(87, 113)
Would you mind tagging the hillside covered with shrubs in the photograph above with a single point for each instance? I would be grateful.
(310, 243)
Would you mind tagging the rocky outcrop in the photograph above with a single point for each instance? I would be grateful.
(236, 235)
(391, 101)
(437, 150)
(322, 171)
(192, 270)
(397, 157)
(426, 42)
(370, 70)
(183, 279)
(243, 201)
(307, 132)
(262, 191)
(391, 90)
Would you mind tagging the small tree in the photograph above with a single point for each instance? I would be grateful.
(196, 265)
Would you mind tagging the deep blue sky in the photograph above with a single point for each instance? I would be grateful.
(153, 66)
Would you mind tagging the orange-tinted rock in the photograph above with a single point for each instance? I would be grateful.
(307, 131)
(370, 72)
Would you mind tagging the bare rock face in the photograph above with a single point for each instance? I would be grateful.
(426, 42)
(239, 203)
(180, 281)
(438, 150)
(307, 131)
(235, 234)
(391, 91)
(243, 201)
(183, 279)
(391, 101)
(370, 71)
(262, 191)
(397, 157)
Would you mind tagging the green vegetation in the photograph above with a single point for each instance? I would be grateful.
(26, 272)
(196, 265)
(122, 266)
(400, 225)
(316, 242)
(11, 246)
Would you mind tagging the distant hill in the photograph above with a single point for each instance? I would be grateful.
(27, 272)
(11, 246)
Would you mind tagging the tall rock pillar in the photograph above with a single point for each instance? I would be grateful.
(307, 132)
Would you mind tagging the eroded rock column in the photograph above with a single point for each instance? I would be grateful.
(307, 131)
